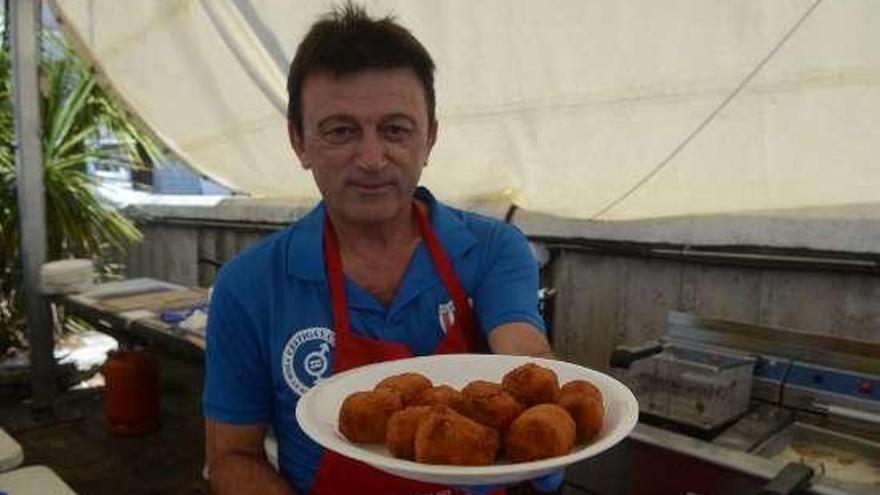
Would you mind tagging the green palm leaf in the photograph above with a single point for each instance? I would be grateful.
(81, 125)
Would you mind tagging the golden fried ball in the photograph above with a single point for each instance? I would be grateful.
(442, 395)
(531, 384)
(581, 387)
(401, 431)
(447, 437)
(583, 401)
(490, 404)
(541, 431)
(364, 415)
(408, 385)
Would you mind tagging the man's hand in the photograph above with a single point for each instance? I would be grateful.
(237, 462)
(521, 339)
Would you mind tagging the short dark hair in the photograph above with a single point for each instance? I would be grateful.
(348, 40)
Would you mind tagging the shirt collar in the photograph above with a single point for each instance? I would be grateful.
(305, 249)
(305, 258)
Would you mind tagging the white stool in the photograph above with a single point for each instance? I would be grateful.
(33, 480)
(10, 452)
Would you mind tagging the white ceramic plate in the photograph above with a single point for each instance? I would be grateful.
(318, 410)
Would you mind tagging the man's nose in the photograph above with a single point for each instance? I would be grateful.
(371, 152)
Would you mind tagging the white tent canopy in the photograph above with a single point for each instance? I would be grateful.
(587, 109)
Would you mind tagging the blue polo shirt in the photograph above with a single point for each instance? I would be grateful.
(270, 324)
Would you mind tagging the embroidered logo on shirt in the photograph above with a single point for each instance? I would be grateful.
(306, 358)
(446, 315)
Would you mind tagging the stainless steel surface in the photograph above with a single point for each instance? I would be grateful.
(759, 424)
(25, 27)
(848, 462)
(848, 354)
(847, 400)
(814, 399)
(848, 413)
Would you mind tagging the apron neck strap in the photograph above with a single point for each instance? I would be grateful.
(335, 277)
(464, 316)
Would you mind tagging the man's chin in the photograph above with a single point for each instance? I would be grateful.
(367, 213)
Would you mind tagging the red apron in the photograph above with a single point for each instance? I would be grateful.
(337, 474)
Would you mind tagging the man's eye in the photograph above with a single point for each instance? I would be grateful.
(339, 134)
(396, 132)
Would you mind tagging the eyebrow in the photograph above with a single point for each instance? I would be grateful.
(398, 115)
(347, 118)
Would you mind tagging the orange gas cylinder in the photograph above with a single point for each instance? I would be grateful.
(131, 392)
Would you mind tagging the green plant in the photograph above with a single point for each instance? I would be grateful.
(81, 124)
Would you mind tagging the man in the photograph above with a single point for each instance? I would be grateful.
(379, 270)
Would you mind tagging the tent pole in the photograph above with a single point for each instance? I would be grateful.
(25, 24)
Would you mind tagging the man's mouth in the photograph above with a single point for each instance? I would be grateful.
(373, 187)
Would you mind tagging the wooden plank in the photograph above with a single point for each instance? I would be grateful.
(586, 310)
(153, 261)
(835, 304)
(652, 288)
(725, 293)
(207, 254)
(228, 246)
(154, 301)
(144, 251)
(131, 258)
(248, 239)
(562, 318)
(147, 329)
(177, 256)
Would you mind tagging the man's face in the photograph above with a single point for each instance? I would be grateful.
(365, 137)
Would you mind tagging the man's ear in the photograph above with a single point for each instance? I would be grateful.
(296, 142)
(432, 137)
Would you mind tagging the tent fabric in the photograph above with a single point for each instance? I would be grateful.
(587, 109)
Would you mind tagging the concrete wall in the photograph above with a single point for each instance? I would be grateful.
(605, 297)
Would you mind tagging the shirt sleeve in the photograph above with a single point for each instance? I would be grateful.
(238, 383)
(507, 291)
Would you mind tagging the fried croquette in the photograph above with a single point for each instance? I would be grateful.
(442, 395)
(447, 437)
(364, 415)
(401, 431)
(541, 431)
(408, 385)
(583, 401)
(490, 404)
(531, 384)
(581, 387)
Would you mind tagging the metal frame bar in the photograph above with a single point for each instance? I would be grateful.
(25, 23)
(855, 355)
(745, 256)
